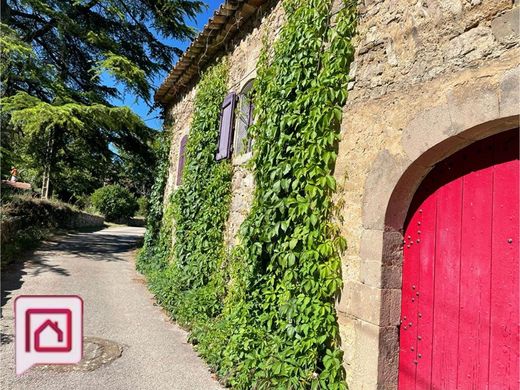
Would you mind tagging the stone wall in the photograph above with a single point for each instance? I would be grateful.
(180, 116)
(28, 220)
(242, 55)
(429, 77)
(79, 219)
(23, 213)
(242, 68)
(426, 73)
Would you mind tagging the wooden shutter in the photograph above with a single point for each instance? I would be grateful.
(182, 158)
(227, 115)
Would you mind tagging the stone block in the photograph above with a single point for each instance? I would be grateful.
(379, 185)
(371, 273)
(391, 277)
(366, 356)
(347, 336)
(472, 45)
(388, 358)
(371, 246)
(374, 274)
(488, 129)
(472, 104)
(374, 305)
(426, 129)
(392, 248)
(509, 93)
(402, 195)
(505, 27)
(390, 307)
(381, 254)
(363, 302)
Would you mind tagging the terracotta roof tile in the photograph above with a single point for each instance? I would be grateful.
(221, 27)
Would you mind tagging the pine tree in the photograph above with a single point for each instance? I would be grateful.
(55, 104)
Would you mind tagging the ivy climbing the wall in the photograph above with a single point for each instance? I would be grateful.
(284, 331)
(263, 316)
(181, 275)
(150, 251)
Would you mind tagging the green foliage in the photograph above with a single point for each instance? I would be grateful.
(56, 112)
(290, 248)
(81, 135)
(124, 70)
(114, 202)
(27, 221)
(152, 248)
(264, 316)
(181, 274)
(75, 41)
(142, 202)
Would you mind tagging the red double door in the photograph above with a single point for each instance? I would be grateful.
(460, 296)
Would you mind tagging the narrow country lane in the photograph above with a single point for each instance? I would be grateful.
(129, 342)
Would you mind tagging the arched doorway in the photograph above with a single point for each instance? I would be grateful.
(460, 293)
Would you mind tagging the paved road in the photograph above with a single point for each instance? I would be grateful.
(119, 316)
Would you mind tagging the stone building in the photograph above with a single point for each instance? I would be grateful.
(429, 80)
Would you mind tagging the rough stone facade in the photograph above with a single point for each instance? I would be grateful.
(425, 75)
(429, 78)
(242, 56)
(180, 116)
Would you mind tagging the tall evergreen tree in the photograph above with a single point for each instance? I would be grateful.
(56, 55)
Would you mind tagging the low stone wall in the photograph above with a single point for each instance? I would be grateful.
(79, 219)
(26, 221)
(24, 213)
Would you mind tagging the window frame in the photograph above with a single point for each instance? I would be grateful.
(245, 93)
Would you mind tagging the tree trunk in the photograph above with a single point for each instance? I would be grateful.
(48, 165)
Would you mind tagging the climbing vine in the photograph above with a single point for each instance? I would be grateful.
(147, 255)
(263, 316)
(181, 274)
(288, 334)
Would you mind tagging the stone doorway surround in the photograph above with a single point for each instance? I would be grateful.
(471, 112)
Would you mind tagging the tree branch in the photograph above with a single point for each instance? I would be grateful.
(52, 22)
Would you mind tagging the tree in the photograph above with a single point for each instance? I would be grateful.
(55, 58)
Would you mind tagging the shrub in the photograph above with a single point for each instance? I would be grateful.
(83, 202)
(114, 202)
(143, 206)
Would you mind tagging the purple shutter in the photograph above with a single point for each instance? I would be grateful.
(182, 158)
(227, 115)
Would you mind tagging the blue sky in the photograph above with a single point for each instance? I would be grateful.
(129, 99)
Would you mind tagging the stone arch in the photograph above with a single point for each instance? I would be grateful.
(391, 234)
(429, 138)
(247, 85)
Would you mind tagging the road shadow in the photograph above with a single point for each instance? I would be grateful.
(97, 247)
(101, 246)
(11, 279)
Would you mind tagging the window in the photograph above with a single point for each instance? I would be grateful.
(236, 116)
(182, 159)
(226, 127)
(244, 118)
